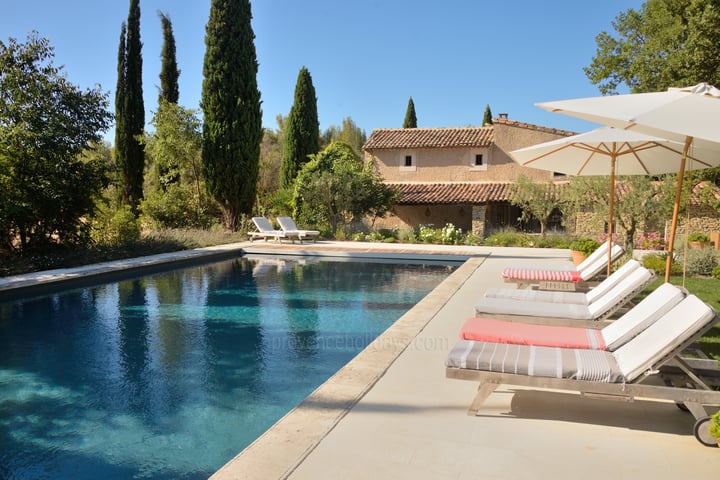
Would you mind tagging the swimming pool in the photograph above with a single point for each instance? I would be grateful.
(171, 374)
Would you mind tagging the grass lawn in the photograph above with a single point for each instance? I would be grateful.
(708, 290)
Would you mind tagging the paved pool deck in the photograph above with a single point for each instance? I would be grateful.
(391, 413)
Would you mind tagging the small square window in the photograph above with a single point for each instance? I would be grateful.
(408, 160)
(478, 160)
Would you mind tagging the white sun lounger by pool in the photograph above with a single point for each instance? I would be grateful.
(611, 337)
(638, 368)
(266, 230)
(572, 314)
(582, 298)
(290, 228)
(558, 277)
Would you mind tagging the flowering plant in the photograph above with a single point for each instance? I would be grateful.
(650, 241)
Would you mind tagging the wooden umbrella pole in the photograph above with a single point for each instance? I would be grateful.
(612, 208)
(676, 208)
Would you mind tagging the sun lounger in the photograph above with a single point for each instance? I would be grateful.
(611, 337)
(290, 228)
(635, 369)
(582, 298)
(572, 314)
(266, 230)
(561, 277)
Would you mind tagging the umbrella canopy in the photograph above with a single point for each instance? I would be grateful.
(609, 152)
(689, 115)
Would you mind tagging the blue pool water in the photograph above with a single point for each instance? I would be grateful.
(170, 375)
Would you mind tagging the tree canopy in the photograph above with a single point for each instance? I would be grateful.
(487, 116)
(666, 43)
(169, 71)
(335, 189)
(302, 134)
(410, 117)
(46, 123)
(130, 110)
(232, 127)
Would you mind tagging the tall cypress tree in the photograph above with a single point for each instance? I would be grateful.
(120, 151)
(131, 116)
(410, 118)
(302, 137)
(232, 127)
(487, 117)
(169, 73)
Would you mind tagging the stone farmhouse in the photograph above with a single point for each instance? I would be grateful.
(463, 176)
(457, 175)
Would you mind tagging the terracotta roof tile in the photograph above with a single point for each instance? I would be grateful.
(449, 193)
(396, 138)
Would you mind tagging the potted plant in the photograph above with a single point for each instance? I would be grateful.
(698, 240)
(582, 248)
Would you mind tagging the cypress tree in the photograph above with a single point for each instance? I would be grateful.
(131, 115)
(302, 137)
(120, 151)
(410, 118)
(232, 127)
(169, 73)
(487, 117)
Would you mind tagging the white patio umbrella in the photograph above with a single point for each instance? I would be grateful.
(689, 115)
(609, 152)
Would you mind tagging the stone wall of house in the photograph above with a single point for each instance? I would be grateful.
(455, 164)
(410, 216)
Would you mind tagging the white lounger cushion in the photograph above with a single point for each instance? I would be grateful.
(661, 338)
(645, 313)
(581, 298)
(636, 279)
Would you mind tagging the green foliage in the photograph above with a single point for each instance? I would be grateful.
(643, 203)
(49, 188)
(487, 116)
(169, 72)
(130, 110)
(348, 133)
(335, 189)
(714, 426)
(664, 44)
(302, 137)
(508, 238)
(658, 262)
(447, 235)
(698, 237)
(700, 261)
(116, 227)
(537, 200)
(410, 117)
(176, 195)
(716, 272)
(232, 127)
(585, 245)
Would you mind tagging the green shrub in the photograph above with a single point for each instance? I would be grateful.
(716, 272)
(585, 245)
(700, 261)
(698, 237)
(657, 262)
(508, 238)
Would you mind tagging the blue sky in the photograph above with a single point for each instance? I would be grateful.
(366, 57)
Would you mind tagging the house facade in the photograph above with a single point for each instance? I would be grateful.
(462, 175)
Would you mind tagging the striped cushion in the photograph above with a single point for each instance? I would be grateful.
(552, 362)
(513, 273)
